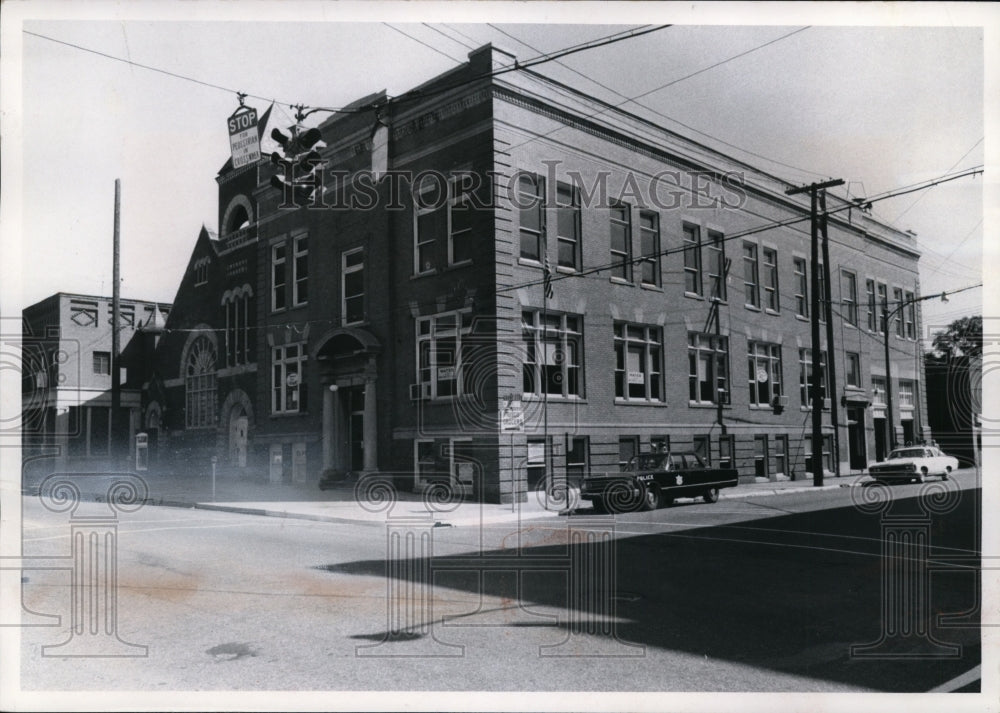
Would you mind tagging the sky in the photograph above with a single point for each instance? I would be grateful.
(837, 93)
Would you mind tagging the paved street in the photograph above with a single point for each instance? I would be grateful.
(759, 594)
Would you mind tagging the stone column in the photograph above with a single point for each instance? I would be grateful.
(329, 424)
(371, 427)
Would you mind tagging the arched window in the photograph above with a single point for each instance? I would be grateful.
(200, 384)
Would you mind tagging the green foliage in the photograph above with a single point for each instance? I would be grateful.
(962, 338)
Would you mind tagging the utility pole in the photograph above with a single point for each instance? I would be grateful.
(114, 427)
(816, 387)
(830, 361)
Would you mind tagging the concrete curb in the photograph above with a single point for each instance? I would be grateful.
(767, 492)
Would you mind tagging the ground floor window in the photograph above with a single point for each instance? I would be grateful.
(628, 446)
(708, 369)
(702, 446)
(537, 462)
(780, 454)
(577, 459)
(726, 451)
(287, 382)
(826, 454)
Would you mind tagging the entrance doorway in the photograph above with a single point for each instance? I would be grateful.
(239, 425)
(908, 433)
(355, 403)
(856, 438)
(880, 438)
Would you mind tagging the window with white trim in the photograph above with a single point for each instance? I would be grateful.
(849, 296)
(763, 372)
(872, 310)
(200, 385)
(238, 307)
(878, 391)
(279, 257)
(300, 270)
(638, 362)
(801, 287)
(621, 241)
(288, 378)
(897, 319)
(692, 259)
(441, 345)
(430, 221)
(708, 368)
(649, 244)
(883, 300)
(910, 311)
(716, 247)
(853, 376)
(770, 260)
(352, 286)
(460, 206)
(531, 209)
(905, 394)
(102, 363)
(568, 226)
(552, 353)
(805, 377)
(751, 275)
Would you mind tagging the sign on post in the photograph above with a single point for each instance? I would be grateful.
(243, 139)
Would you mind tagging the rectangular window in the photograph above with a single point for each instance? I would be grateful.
(287, 382)
(726, 448)
(660, 444)
(621, 241)
(883, 301)
(649, 237)
(692, 259)
(638, 362)
(102, 363)
(780, 454)
(531, 207)
(552, 353)
(716, 266)
(801, 287)
(460, 218)
(568, 225)
(577, 459)
(771, 302)
(300, 271)
(849, 295)
(805, 377)
(278, 278)
(764, 372)
(853, 376)
(628, 447)
(539, 461)
(910, 311)
(353, 286)
(441, 346)
(872, 309)
(878, 391)
(825, 455)
(751, 275)
(897, 298)
(430, 223)
(760, 465)
(708, 368)
(905, 394)
(703, 448)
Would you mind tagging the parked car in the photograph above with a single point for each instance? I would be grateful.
(913, 463)
(652, 480)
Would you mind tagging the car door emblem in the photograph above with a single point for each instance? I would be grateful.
(679, 480)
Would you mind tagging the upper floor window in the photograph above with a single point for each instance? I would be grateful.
(770, 258)
(442, 346)
(288, 378)
(801, 287)
(460, 203)
(872, 309)
(853, 376)
(638, 362)
(716, 265)
(430, 222)
(692, 259)
(238, 306)
(531, 208)
(201, 270)
(279, 257)
(708, 368)
(910, 311)
(751, 274)
(352, 286)
(649, 238)
(805, 377)
(883, 300)
(102, 363)
(849, 295)
(568, 225)
(300, 271)
(763, 372)
(200, 386)
(897, 298)
(552, 353)
(621, 241)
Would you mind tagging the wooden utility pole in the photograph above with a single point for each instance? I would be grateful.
(830, 361)
(816, 391)
(114, 425)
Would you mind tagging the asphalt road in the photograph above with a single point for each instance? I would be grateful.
(763, 594)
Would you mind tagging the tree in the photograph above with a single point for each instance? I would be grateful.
(962, 338)
(953, 369)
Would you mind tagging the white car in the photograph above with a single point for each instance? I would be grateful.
(913, 463)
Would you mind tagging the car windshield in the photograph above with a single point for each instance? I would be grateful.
(908, 453)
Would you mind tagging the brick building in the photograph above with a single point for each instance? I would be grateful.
(389, 323)
(66, 368)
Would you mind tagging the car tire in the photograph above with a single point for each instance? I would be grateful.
(650, 498)
(711, 495)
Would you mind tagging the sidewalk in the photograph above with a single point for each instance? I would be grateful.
(341, 504)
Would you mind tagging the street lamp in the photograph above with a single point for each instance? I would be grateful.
(887, 314)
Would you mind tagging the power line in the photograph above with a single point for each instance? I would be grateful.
(951, 168)
(430, 47)
(446, 36)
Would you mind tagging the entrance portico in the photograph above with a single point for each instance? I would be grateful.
(347, 368)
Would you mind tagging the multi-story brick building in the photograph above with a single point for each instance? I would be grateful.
(66, 367)
(390, 323)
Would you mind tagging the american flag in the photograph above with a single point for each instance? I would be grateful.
(549, 292)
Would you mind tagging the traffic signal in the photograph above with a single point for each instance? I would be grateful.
(301, 178)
